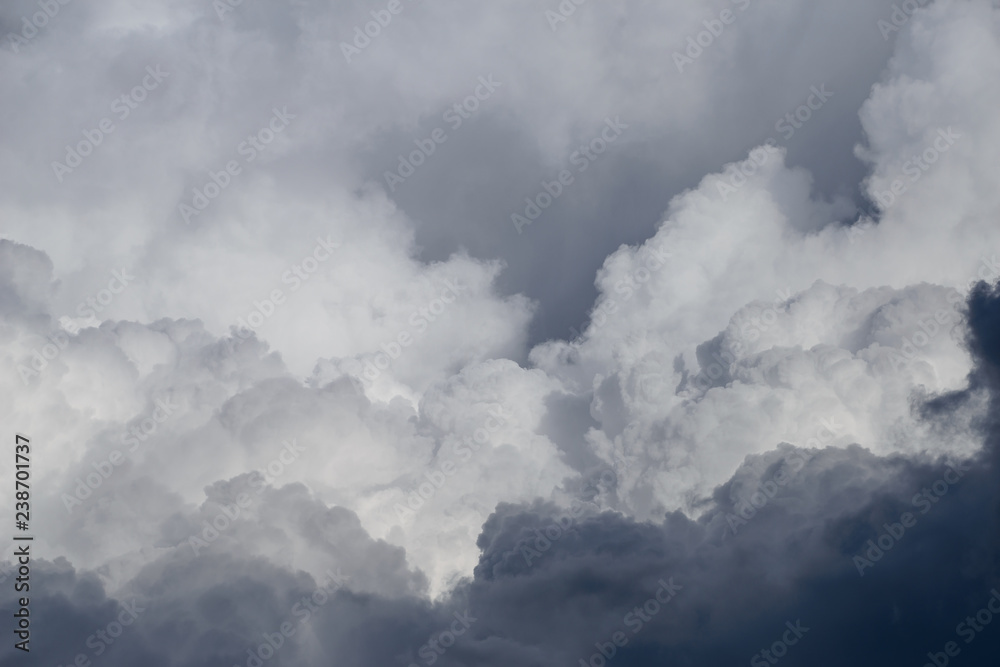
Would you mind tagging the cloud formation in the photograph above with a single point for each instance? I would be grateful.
(729, 396)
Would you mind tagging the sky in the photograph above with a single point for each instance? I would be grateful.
(544, 333)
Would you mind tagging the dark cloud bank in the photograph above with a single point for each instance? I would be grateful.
(848, 558)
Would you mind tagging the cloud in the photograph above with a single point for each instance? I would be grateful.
(793, 562)
(722, 358)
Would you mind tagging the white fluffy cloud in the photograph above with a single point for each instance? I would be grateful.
(751, 316)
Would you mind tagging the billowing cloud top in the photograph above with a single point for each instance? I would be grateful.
(411, 333)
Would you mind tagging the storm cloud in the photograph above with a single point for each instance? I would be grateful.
(412, 333)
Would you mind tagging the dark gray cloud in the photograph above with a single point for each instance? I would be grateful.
(746, 571)
(730, 398)
(554, 586)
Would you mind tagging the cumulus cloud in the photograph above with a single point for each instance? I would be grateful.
(680, 416)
